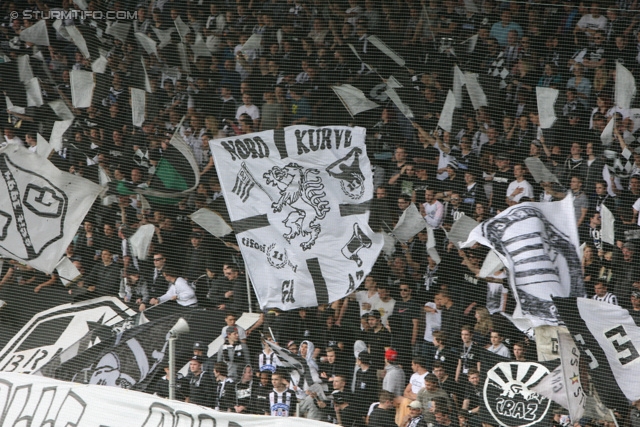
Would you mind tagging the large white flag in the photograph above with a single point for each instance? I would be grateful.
(41, 207)
(298, 201)
(563, 384)
(608, 340)
(538, 243)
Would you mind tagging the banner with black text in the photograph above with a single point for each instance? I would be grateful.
(298, 199)
(36, 401)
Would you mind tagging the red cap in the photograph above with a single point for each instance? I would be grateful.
(391, 355)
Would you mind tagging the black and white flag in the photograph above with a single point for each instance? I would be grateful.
(298, 200)
(607, 337)
(41, 207)
(55, 331)
(563, 384)
(129, 360)
(538, 243)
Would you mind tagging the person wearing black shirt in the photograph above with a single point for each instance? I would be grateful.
(224, 397)
(473, 393)
(330, 367)
(473, 194)
(621, 52)
(260, 394)
(377, 339)
(404, 325)
(453, 184)
(201, 387)
(365, 384)
(244, 389)
(384, 414)
(104, 280)
(468, 356)
(501, 180)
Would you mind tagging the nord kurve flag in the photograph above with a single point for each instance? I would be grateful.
(607, 337)
(298, 200)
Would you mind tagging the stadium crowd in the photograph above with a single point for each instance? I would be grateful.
(420, 326)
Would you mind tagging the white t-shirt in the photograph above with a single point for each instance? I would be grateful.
(636, 207)
(385, 309)
(434, 214)
(363, 297)
(181, 289)
(252, 110)
(242, 334)
(527, 193)
(443, 161)
(591, 23)
(417, 382)
(500, 350)
(496, 293)
(433, 322)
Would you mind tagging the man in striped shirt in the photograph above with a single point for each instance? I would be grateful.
(601, 294)
(282, 401)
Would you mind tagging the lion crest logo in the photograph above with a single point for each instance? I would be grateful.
(296, 184)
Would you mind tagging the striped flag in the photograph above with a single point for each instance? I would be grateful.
(538, 243)
(244, 183)
(605, 334)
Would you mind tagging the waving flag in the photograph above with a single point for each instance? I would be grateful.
(608, 338)
(41, 207)
(538, 243)
(298, 201)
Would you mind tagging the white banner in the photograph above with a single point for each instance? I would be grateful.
(298, 201)
(41, 207)
(538, 243)
(31, 400)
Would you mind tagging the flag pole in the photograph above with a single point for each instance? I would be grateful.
(248, 291)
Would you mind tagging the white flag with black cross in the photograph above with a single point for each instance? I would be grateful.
(298, 200)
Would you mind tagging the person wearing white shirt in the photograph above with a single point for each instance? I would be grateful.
(591, 22)
(179, 290)
(433, 319)
(519, 190)
(369, 297)
(497, 346)
(433, 210)
(11, 137)
(249, 109)
(384, 305)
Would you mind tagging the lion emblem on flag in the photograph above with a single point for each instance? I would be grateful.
(296, 184)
